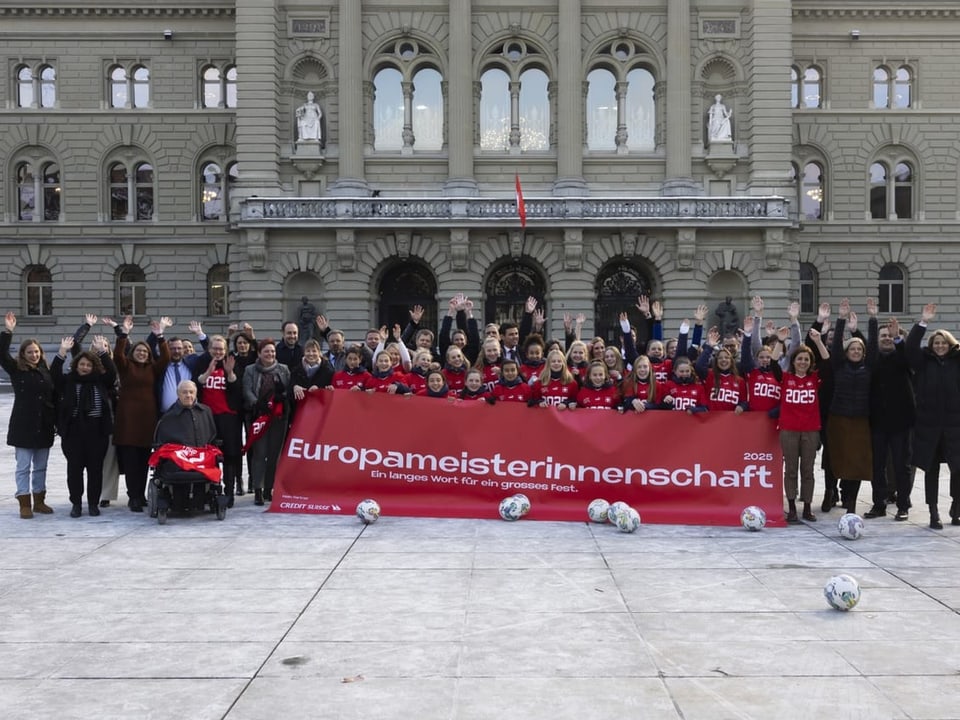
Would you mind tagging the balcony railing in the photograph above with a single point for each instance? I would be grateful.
(366, 211)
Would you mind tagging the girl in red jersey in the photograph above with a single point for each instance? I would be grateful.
(577, 360)
(684, 391)
(726, 390)
(416, 379)
(473, 388)
(799, 425)
(488, 363)
(354, 375)
(556, 385)
(384, 376)
(400, 357)
(533, 363)
(598, 391)
(511, 386)
(640, 387)
(763, 377)
(662, 365)
(614, 362)
(436, 386)
(455, 369)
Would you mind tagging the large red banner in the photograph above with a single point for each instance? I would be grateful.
(438, 458)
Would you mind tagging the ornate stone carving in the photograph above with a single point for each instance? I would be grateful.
(629, 242)
(459, 249)
(773, 248)
(516, 243)
(402, 241)
(686, 248)
(256, 242)
(572, 249)
(346, 250)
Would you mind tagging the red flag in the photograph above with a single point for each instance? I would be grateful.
(521, 205)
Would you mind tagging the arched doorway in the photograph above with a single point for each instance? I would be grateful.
(402, 286)
(619, 284)
(507, 290)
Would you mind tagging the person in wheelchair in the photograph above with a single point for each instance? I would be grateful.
(189, 423)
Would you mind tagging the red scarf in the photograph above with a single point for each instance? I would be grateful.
(202, 460)
(260, 425)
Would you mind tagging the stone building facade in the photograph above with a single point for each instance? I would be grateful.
(150, 158)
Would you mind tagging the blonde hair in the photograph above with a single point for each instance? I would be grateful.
(566, 377)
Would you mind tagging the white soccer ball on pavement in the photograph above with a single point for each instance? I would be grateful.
(842, 592)
(628, 520)
(614, 509)
(753, 518)
(597, 510)
(850, 526)
(524, 503)
(511, 508)
(369, 511)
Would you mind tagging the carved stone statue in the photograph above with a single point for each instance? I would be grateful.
(308, 120)
(727, 318)
(718, 125)
(306, 317)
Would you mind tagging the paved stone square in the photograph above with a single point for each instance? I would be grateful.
(283, 616)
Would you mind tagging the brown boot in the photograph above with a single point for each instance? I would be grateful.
(39, 506)
(25, 512)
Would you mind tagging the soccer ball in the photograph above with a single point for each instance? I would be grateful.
(368, 511)
(511, 509)
(524, 503)
(753, 518)
(842, 592)
(614, 509)
(597, 510)
(850, 526)
(628, 520)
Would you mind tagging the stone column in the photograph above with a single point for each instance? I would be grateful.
(679, 179)
(771, 138)
(569, 117)
(459, 104)
(350, 180)
(408, 137)
(258, 119)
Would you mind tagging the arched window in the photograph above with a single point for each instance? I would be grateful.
(892, 290)
(515, 112)
(388, 110)
(215, 187)
(218, 291)
(812, 192)
(135, 181)
(131, 291)
(641, 112)
(25, 92)
(218, 88)
(619, 284)
(37, 291)
(812, 88)
(507, 290)
(427, 110)
(809, 287)
(903, 88)
(881, 87)
(48, 87)
(892, 192)
(601, 110)
(402, 286)
(794, 87)
(621, 108)
(38, 195)
(129, 87)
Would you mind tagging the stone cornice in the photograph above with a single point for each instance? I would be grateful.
(173, 10)
(874, 10)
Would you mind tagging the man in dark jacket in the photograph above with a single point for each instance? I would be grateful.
(187, 423)
(892, 416)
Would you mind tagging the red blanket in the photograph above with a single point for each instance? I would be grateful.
(202, 460)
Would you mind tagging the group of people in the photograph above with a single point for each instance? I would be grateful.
(868, 402)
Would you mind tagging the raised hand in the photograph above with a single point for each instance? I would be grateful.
(623, 317)
(769, 328)
(872, 307)
(195, 327)
(928, 313)
(100, 344)
(748, 325)
(783, 333)
(383, 334)
(229, 363)
(643, 305)
(539, 319)
(852, 321)
(844, 312)
(322, 324)
(468, 306)
(65, 345)
(581, 319)
(127, 324)
(248, 328)
(893, 325)
(397, 332)
(166, 322)
(156, 327)
(90, 319)
(793, 312)
(416, 313)
(530, 305)
(814, 335)
(713, 336)
(10, 321)
(657, 309)
(700, 314)
(109, 322)
(756, 302)
(823, 312)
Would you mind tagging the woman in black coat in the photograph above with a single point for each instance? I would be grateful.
(33, 418)
(85, 418)
(936, 435)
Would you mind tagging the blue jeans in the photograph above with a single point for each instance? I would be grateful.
(37, 457)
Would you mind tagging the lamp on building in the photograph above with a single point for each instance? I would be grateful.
(854, 34)
(168, 34)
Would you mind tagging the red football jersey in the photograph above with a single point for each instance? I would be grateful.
(556, 392)
(347, 380)
(730, 392)
(800, 404)
(606, 397)
(763, 388)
